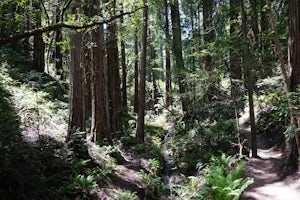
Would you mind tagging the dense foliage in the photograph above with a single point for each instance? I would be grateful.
(94, 90)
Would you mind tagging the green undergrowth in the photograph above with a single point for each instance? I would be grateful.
(274, 115)
(222, 179)
(39, 100)
(151, 152)
(199, 143)
(26, 171)
(35, 162)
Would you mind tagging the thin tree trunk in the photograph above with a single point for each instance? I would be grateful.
(249, 83)
(87, 63)
(38, 44)
(136, 73)
(124, 72)
(168, 57)
(278, 49)
(141, 112)
(58, 39)
(234, 65)
(154, 95)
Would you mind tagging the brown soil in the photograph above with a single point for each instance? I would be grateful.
(270, 181)
(127, 177)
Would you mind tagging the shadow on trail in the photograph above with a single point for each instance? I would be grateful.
(270, 180)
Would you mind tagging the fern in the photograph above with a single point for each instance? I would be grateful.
(224, 179)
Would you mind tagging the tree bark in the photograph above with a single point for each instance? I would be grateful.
(140, 135)
(38, 43)
(294, 63)
(124, 72)
(76, 118)
(136, 73)
(98, 97)
(87, 61)
(177, 50)
(154, 92)
(76, 107)
(58, 39)
(235, 61)
(249, 83)
(209, 32)
(278, 49)
(99, 123)
(168, 57)
(114, 92)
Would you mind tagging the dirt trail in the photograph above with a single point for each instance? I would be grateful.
(269, 182)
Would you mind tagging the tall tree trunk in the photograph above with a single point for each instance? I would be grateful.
(209, 32)
(293, 65)
(87, 61)
(168, 56)
(99, 112)
(177, 50)
(124, 72)
(136, 73)
(76, 119)
(266, 60)
(58, 39)
(278, 49)
(235, 62)
(140, 135)
(113, 74)
(154, 94)
(76, 107)
(249, 82)
(254, 37)
(294, 62)
(38, 43)
(254, 21)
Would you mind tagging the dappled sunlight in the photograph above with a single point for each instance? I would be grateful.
(274, 191)
(40, 114)
(269, 182)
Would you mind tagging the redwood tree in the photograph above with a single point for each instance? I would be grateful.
(99, 123)
(294, 61)
(124, 70)
(177, 51)
(142, 86)
(76, 114)
(114, 91)
(168, 56)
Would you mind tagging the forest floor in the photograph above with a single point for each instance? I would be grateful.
(270, 180)
(43, 121)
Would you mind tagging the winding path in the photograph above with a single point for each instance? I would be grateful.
(269, 183)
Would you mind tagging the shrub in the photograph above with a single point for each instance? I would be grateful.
(223, 180)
